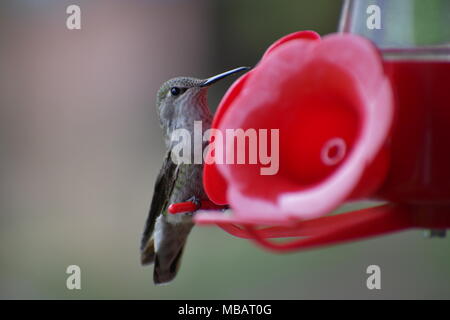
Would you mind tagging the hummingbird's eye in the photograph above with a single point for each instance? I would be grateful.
(175, 91)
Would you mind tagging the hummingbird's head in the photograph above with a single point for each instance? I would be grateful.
(183, 99)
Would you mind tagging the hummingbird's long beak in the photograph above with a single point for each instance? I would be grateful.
(218, 77)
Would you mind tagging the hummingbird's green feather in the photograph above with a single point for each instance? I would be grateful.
(164, 185)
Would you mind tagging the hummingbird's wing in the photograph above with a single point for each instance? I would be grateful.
(163, 189)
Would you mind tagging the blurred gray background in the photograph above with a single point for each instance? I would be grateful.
(81, 147)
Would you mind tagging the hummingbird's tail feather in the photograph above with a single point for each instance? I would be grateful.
(148, 252)
(164, 273)
(170, 240)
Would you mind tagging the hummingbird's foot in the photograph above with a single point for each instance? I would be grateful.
(197, 202)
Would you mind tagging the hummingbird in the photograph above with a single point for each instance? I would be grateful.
(180, 101)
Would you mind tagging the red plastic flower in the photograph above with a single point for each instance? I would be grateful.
(332, 105)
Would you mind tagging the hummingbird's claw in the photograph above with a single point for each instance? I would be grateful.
(196, 201)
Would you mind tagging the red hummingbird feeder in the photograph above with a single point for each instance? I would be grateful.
(357, 120)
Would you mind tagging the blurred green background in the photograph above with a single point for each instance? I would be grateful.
(81, 147)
